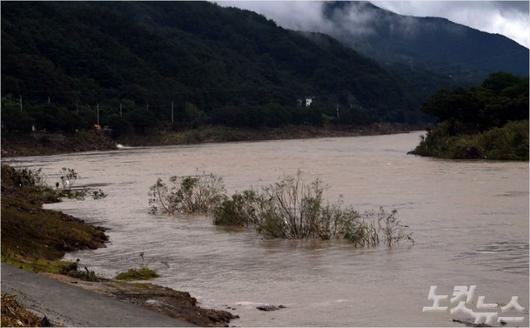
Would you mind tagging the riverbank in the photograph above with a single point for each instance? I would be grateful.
(508, 142)
(36, 239)
(50, 144)
(37, 144)
(212, 134)
(488, 121)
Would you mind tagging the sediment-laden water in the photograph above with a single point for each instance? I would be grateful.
(470, 222)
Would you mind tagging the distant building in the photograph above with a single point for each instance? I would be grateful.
(305, 102)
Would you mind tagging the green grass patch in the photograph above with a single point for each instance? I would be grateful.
(143, 273)
(35, 264)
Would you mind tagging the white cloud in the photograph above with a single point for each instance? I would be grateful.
(297, 15)
(509, 18)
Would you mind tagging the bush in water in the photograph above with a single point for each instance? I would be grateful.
(292, 209)
(287, 209)
(68, 177)
(239, 210)
(189, 194)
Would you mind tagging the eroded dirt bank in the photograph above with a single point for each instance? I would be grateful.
(36, 239)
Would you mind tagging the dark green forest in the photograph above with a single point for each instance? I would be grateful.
(489, 121)
(225, 66)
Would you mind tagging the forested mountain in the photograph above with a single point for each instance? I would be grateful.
(427, 51)
(217, 65)
(436, 43)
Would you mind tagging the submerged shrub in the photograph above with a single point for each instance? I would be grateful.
(374, 228)
(287, 209)
(68, 177)
(82, 193)
(98, 194)
(239, 210)
(189, 194)
(293, 209)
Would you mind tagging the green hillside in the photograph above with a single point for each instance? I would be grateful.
(217, 65)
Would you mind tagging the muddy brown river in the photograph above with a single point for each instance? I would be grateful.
(469, 220)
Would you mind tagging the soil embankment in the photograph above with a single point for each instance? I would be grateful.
(36, 239)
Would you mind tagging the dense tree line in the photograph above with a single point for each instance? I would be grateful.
(216, 65)
(488, 121)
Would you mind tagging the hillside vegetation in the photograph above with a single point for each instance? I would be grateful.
(221, 66)
(487, 122)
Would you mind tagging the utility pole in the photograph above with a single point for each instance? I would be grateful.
(121, 111)
(172, 116)
(338, 111)
(97, 114)
(20, 102)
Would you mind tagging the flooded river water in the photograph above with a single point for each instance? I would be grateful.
(469, 220)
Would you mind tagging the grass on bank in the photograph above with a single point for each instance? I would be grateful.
(143, 273)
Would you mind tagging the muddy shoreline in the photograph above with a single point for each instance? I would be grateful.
(41, 144)
(173, 303)
(36, 239)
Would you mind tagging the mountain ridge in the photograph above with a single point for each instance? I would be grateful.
(454, 49)
(146, 55)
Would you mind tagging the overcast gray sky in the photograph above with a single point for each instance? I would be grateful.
(509, 18)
